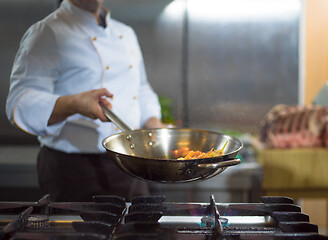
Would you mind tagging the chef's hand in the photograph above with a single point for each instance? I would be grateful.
(85, 103)
(156, 123)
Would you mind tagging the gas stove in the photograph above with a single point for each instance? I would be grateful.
(151, 217)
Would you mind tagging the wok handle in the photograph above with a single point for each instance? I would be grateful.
(114, 118)
(227, 163)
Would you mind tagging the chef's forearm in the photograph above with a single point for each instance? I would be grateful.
(63, 108)
(85, 103)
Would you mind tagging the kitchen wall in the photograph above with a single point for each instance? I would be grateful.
(315, 47)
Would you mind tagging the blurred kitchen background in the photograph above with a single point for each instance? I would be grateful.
(216, 64)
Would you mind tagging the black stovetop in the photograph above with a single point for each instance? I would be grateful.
(151, 217)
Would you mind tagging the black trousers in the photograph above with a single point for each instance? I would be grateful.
(78, 177)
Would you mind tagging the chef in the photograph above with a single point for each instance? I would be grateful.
(66, 64)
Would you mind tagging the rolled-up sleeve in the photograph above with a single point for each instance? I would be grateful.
(31, 97)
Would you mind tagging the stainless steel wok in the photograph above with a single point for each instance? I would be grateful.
(148, 154)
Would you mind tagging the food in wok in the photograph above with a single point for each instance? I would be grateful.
(185, 153)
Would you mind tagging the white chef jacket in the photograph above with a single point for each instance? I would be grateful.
(68, 53)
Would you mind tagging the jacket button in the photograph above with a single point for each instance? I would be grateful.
(107, 67)
(121, 36)
(134, 97)
(95, 39)
(131, 66)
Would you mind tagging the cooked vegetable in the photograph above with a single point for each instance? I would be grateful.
(185, 153)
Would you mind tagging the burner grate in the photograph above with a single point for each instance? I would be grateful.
(151, 218)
